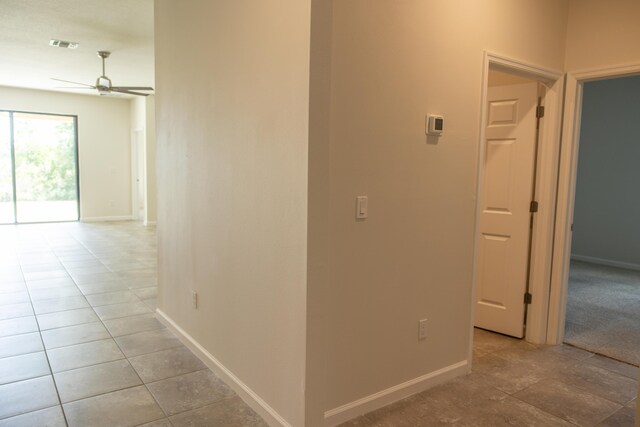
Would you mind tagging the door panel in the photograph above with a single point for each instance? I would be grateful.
(505, 218)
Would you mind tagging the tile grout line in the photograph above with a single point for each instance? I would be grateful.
(125, 358)
(44, 348)
(99, 320)
(123, 276)
(546, 377)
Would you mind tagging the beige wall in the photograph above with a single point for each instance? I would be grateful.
(498, 78)
(232, 178)
(318, 215)
(392, 63)
(232, 109)
(602, 34)
(103, 145)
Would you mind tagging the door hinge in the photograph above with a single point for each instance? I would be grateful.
(540, 111)
(533, 207)
(527, 298)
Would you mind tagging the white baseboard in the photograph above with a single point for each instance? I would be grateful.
(106, 218)
(382, 398)
(149, 223)
(244, 391)
(332, 417)
(609, 262)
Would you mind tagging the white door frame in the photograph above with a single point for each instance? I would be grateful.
(547, 169)
(137, 139)
(567, 188)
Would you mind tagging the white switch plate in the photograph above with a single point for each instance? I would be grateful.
(422, 329)
(362, 207)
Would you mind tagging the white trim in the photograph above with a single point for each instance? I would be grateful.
(544, 220)
(603, 261)
(543, 232)
(250, 397)
(382, 398)
(607, 72)
(134, 174)
(106, 218)
(149, 223)
(566, 190)
(138, 157)
(479, 174)
(524, 69)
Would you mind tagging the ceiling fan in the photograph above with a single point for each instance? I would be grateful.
(103, 83)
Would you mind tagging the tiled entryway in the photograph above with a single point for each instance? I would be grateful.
(80, 344)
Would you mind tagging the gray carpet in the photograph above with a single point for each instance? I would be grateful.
(603, 311)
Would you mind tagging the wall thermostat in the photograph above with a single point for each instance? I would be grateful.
(435, 124)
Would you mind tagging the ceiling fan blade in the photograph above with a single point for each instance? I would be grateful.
(131, 88)
(73, 87)
(129, 92)
(75, 83)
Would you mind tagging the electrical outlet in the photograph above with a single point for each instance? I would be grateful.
(422, 329)
(194, 299)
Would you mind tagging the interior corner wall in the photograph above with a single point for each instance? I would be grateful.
(318, 210)
(605, 222)
(602, 34)
(411, 259)
(103, 146)
(232, 113)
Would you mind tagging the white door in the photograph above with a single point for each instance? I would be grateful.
(503, 252)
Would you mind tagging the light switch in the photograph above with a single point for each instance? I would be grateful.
(362, 207)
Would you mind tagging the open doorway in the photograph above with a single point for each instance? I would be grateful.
(38, 168)
(540, 186)
(603, 296)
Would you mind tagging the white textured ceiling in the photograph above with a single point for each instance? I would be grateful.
(123, 27)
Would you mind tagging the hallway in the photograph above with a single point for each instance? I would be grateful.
(80, 344)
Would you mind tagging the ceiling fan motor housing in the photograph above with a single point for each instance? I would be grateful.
(103, 83)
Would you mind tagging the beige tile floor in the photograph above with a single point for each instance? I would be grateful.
(79, 341)
(514, 383)
(80, 346)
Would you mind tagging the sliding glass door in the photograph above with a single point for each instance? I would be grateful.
(39, 178)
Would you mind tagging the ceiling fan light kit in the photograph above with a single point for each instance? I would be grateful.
(103, 83)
